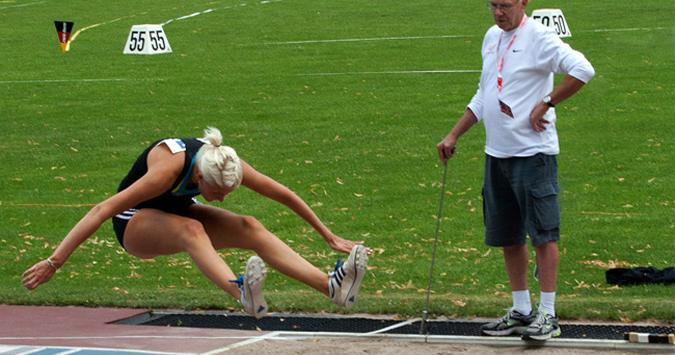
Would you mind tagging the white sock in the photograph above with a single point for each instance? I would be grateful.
(521, 302)
(547, 303)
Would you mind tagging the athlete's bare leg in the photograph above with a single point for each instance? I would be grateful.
(151, 233)
(230, 230)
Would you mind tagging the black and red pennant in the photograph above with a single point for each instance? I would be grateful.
(63, 28)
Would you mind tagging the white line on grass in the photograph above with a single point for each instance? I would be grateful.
(368, 39)
(167, 22)
(49, 81)
(439, 36)
(264, 2)
(392, 72)
(22, 5)
(627, 29)
(77, 33)
(211, 10)
(188, 16)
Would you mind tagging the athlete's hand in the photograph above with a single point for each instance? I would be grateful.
(345, 246)
(38, 274)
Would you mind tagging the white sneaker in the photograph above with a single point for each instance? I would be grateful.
(345, 281)
(250, 284)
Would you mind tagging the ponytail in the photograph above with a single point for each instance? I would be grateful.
(219, 164)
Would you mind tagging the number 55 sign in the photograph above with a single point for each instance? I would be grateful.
(147, 39)
(553, 18)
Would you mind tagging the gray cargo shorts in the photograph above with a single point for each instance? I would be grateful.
(520, 199)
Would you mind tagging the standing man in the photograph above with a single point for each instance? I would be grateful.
(515, 100)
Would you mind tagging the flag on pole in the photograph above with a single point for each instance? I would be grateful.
(63, 29)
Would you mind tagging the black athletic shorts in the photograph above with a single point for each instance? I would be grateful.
(121, 220)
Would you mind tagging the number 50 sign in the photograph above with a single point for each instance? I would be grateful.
(147, 39)
(553, 18)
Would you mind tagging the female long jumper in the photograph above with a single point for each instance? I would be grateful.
(154, 213)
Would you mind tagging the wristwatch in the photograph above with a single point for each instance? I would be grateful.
(547, 100)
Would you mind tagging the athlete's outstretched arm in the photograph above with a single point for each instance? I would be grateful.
(163, 167)
(272, 189)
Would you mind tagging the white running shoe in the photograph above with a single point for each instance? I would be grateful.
(345, 281)
(250, 284)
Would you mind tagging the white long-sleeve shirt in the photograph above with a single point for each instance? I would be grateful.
(527, 76)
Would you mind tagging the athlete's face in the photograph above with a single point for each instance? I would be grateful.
(211, 192)
(508, 13)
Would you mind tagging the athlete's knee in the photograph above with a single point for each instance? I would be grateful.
(251, 225)
(192, 231)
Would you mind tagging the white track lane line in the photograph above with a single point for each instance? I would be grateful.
(68, 350)
(251, 340)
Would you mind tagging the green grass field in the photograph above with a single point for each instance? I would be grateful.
(344, 102)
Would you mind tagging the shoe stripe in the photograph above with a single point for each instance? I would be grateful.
(339, 275)
(347, 277)
(353, 285)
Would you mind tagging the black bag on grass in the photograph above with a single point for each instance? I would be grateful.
(640, 275)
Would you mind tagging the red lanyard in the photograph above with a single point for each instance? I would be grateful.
(500, 61)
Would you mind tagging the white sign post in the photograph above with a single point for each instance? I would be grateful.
(553, 18)
(147, 39)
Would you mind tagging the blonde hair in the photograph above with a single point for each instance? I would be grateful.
(219, 164)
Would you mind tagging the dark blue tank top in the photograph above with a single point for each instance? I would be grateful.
(178, 196)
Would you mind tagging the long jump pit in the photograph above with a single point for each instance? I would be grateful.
(93, 331)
